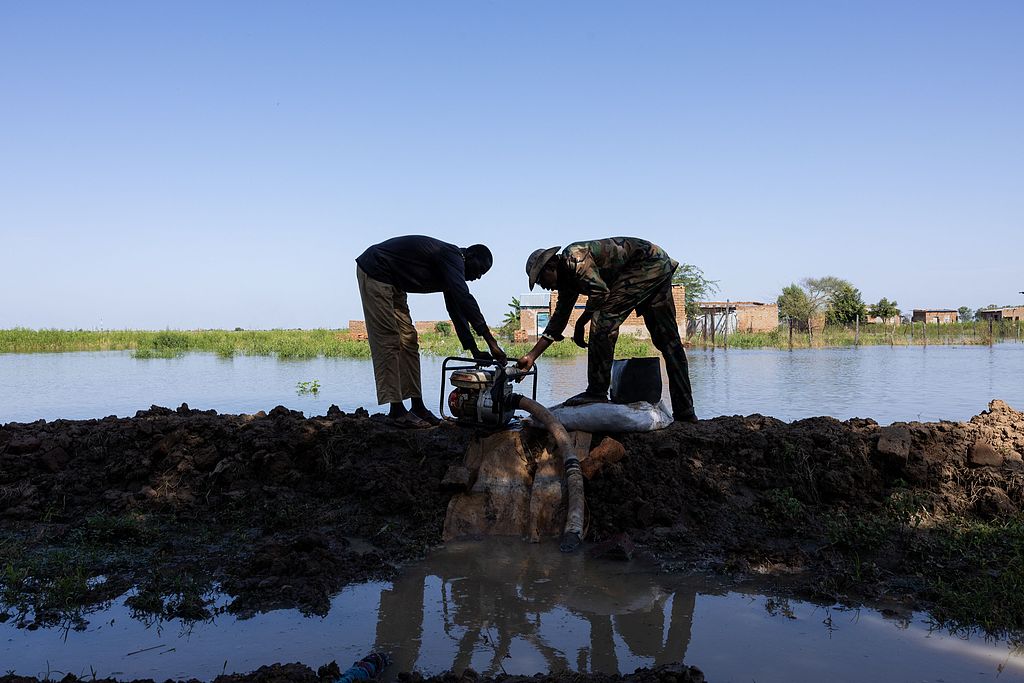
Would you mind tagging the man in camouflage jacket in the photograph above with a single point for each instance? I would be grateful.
(618, 275)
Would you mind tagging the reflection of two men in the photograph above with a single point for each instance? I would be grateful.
(504, 592)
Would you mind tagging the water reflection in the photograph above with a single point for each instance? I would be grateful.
(510, 597)
(506, 606)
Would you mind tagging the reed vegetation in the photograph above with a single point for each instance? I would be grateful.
(285, 344)
(300, 344)
(961, 333)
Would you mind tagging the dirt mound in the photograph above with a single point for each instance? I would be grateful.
(283, 510)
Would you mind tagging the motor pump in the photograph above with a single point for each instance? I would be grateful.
(482, 394)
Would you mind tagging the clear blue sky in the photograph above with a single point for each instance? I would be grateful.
(198, 164)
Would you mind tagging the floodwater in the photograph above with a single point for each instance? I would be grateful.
(885, 383)
(501, 606)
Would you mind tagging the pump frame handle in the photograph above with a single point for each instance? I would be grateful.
(474, 364)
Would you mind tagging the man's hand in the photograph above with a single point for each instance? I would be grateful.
(525, 363)
(496, 351)
(578, 336)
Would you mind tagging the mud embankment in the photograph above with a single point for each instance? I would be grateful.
(279, 510)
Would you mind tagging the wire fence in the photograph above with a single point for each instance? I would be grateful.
(709, 333)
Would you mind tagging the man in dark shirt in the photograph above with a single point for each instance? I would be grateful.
(386, 272)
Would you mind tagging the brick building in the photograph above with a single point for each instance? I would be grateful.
(735, 316)
(879, 320)
(536, 309)
(1005, 313)
(931, 315)
(357, 328)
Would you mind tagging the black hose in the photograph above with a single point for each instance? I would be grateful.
(572, 536)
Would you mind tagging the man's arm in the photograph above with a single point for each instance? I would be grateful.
(462, 330)
(463, 308)
(553, 332)
(560, 318)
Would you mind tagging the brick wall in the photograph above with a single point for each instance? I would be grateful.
(751, 316)
(1008, 313)
(357, 328)
(929, 315)
(428, 326)
(528, 321)
(757, 317)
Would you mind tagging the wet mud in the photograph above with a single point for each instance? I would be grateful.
(279, 510)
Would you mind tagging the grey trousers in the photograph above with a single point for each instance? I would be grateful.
(394, 345)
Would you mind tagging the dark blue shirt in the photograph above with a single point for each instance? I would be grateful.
(422, 265)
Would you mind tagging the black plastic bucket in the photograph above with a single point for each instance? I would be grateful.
(636, 379)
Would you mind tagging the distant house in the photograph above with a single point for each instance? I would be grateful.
(931, 315)
(357, 328)
(879, 320)
(733, 316)
(535, 310)
(1005, 313)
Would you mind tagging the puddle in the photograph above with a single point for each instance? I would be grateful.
(503, 605)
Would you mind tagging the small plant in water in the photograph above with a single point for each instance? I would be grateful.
(307, 388)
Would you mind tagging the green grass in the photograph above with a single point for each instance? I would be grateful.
(971, 571)
(871, 335)
(285, 344)
(300, 344)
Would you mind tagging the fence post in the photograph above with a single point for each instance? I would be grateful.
(712, 330)
(856, 333)
(991, 338)
(725, 329)
(790, 334)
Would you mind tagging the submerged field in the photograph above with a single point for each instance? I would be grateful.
(279, 510)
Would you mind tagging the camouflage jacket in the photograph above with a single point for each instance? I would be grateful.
(596, 267)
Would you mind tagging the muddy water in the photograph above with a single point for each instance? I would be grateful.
(501, 605)
(887, 384)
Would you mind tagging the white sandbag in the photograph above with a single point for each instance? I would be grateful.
(613, 417)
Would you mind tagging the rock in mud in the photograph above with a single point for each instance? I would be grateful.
(607, 452)
(894, 443)
(993, 503)
(982, 454)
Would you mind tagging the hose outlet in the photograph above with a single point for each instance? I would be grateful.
(570, 542)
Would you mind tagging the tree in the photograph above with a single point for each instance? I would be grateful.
(884, 309)
(698, 287)
(966, 315)
(829, 296)
(512, 317)
(795, 304)
(821, 291)
(846, 305)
